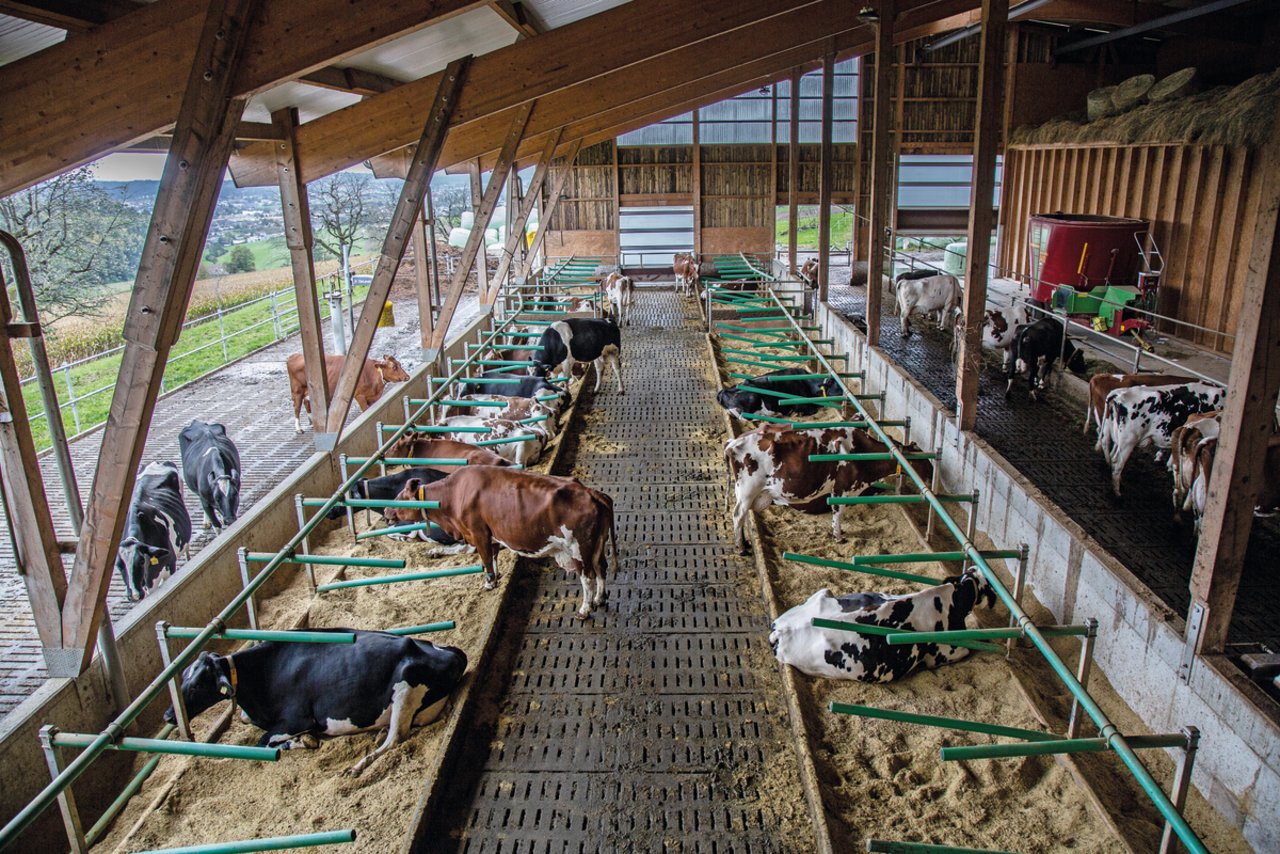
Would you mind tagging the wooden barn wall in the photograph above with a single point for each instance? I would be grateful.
(654, 172)
(587, 204)
(844, 164)
(1200, 200)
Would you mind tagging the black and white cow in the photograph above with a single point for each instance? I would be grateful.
(737, 399)
(298, 691)
(1000, 329)
(1135, 416)
(155, 530)
(574, 339)
(1036, 347)
(513, 386)
(837, 654)
(926, 291)
(211, 468)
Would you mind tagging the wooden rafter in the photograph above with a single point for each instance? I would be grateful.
(97, 80)
(515, 226)
(517, 16)
(424, 271)
(987, 136)
(206, 121)
(408, 209)
(475, 240)
(296, 208)
(552, 202)
(567, 80)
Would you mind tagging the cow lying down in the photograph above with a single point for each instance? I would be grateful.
(739, 398)
(837, 654)
(298, 691)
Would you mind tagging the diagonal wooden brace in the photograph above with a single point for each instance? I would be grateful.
(515, 230)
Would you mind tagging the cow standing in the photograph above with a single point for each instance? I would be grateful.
(687, 270)
(1035, 348)
(567, 342)
(371, 382)
(771, 466)
(211, 468)
(1133, 417)
(837, 654)
(1184, 462)
(1101, 385)
(929, 293)
(739, 399)
(619, 290)
(1000, 329)
(808, 272)
(299, 691)
(156, 528)
(534, 515)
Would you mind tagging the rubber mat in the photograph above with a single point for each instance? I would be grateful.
(658, 724)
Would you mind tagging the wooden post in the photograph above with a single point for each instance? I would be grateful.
(475, 241)
(423, 274)
(882, 164)
(1247, 424)
(515, 231)
(990, 119)
(408, 208)
(198, 154)
(824, 179)
(617, 202)
(553, 202)
(477, 194)
(298, 236)
(858, 248)
(697, 189)
(773, 164)
(793, 173)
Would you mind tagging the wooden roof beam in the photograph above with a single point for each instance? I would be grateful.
(518, 17)
(75, 101)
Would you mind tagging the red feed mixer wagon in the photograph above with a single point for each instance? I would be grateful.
(1102, 271)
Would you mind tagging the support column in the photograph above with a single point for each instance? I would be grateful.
(475, 241)
(793, 173)
(697, 189)
(552, 202)
(1248, 424)
(297, 232)
(515, 236)
(858, 247)
(423, 273)
(408, 209)
(477, 193)
(882, 165)
(989, 130)
(825, 178)
(198, 154)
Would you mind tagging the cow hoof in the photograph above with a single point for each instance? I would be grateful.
(584, 614)
(491, 583)
(838, 539)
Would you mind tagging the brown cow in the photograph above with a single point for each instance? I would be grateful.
(534, 515)
(618, 290)
(421, 447)
(771, 466)
(809, 272)
(1183, 455)
(374, 376)
(686, 267)
(1100, 385)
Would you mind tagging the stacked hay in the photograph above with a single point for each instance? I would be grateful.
(1241, 115)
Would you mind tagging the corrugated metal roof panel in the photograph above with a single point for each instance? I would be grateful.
(19, 38)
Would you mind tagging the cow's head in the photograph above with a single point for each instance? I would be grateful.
(142, 566)
(414, 490)
(731, 400)
(390, 369)
(205, 683)
(1074, 359)
(924, 468)
(224, 486)
(971, 589)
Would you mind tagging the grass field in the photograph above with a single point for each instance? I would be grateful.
(807, 232)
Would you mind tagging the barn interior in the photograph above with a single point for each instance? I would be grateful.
(1134, 703)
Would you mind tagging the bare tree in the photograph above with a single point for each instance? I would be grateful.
(77, 237)
(342, 203)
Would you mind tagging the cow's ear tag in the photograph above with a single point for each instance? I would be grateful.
(224, 690)
(155, 561)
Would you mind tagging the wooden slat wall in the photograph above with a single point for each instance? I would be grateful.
(588, 194)
(1198, 198)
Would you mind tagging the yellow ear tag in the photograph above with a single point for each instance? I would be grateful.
(155, 561)
(899, 471)
(222, 689)
(422, 493)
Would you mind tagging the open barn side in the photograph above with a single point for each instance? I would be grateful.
(190, 598)
(1140, 645)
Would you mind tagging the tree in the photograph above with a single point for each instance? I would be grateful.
(77, 238)
(343, 205)
(240, 260)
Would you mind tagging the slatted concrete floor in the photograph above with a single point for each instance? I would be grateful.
(657, 725)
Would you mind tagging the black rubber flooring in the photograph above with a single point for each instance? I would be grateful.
(658, 725)
(1043, 440)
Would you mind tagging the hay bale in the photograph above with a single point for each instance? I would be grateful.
(1099, 103)
(1129, 93)
(1175, 85)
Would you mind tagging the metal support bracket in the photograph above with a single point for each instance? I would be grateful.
(1195, 623)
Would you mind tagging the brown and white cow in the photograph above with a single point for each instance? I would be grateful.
(1183, 447)
(534, 515)
(808, 272)
(687, 268)
(514, 408)
(421, 447)
(771, 466)
(1268, 501)
(522, 451)
(1100, 385)
(373, 379)
(618, 290)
